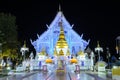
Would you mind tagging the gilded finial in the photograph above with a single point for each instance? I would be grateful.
(55, 52)
(98, 45)
(24, 44)
(59, 7)
(43, 52)
(81, 53)
(68, 53)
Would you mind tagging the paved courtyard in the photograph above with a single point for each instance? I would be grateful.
(39, 75)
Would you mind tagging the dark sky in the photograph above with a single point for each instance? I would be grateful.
(97, 20)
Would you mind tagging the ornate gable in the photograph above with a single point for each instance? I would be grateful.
(49, 38)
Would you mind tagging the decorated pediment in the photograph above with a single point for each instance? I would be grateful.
(50, 37)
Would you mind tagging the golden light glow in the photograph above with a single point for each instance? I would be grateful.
(73, 61)
(43, 52)
(81, 53)
(116, 71)
(48, 61)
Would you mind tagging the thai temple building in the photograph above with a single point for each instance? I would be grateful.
(60, 36)
(60, 48)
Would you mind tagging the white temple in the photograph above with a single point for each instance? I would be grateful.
(59, 44)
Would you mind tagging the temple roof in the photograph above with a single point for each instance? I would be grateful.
(54, 33)
(60, 17)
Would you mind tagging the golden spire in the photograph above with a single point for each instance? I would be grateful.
(81, 53)
(24, 44)
(43, 52)
(98, 45)
(55, 52)
(61, 43)
(59, 7)
(68, 53)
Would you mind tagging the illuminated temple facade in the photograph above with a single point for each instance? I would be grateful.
(49, 40)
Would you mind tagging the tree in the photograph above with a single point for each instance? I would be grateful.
(8, 27)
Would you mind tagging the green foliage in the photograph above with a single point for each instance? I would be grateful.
(8, 30)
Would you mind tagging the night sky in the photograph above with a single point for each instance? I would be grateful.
(98, 21)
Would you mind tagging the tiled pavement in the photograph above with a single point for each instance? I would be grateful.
(38, 75)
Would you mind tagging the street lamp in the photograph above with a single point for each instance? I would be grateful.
(98, 49)
(24, 49)
(108, 56)
(118, 46)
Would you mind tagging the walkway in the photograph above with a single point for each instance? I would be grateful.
(38, 75)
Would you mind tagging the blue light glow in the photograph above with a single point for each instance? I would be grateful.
(49, 38)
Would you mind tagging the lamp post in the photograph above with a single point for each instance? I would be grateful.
(118, 46)
(24, 49)
(98, 49)
(108, 56)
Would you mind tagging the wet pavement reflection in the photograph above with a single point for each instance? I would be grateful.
(39, 75)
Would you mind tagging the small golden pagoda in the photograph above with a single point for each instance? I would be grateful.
(80, 53)
(61, 43)
(68, 53)
(43, 52)
(61, 53)
(55, 52)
